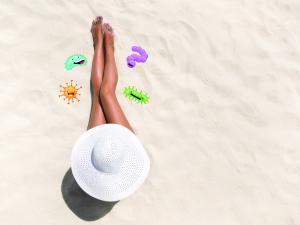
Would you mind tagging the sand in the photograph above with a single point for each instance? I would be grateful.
(221, 129)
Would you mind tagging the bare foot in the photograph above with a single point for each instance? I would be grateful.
(97, 31)
(108, 37)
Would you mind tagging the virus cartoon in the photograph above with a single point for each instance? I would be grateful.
(70, 92)
(133, 58)
(133, 94)
(75, 60)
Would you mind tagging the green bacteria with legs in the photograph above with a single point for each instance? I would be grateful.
(138, 96)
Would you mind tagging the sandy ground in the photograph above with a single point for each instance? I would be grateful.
(221, 129)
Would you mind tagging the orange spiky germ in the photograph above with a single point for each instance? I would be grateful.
(70, 92)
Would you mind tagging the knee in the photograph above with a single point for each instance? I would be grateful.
(106, 93)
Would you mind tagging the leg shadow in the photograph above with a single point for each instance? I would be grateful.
(81, 204)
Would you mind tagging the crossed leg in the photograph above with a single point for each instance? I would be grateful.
(97, 115)
(104, 78)
(111, 107)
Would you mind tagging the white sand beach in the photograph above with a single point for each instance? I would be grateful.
(222, 127)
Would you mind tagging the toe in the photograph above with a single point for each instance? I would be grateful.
(99, 19)
(109, 28)
(105, 27)
(93, 24)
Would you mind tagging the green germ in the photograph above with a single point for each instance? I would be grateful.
(138, 96)
(75, 60)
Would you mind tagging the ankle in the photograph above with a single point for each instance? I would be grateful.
(98, 45)
(109, 50)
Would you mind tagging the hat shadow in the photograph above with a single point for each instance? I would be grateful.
(80, 203)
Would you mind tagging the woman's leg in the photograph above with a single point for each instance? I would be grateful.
(111, 107)
(97, 115)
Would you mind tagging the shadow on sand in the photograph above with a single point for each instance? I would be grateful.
(81, 204)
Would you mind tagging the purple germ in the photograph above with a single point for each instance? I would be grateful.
(133, 58)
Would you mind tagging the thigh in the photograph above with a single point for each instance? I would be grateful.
(113, 111)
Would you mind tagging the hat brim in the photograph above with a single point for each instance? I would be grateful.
(107, 186)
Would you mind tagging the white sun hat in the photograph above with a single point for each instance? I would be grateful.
(109, 163)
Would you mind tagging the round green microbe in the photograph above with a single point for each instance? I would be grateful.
(75, 60)
(138, 96)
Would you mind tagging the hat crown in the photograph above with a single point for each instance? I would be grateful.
(107, 155)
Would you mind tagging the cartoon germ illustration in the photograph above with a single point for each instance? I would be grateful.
(75, 60)
(138, 96)
(133, 58)
(70, 92)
